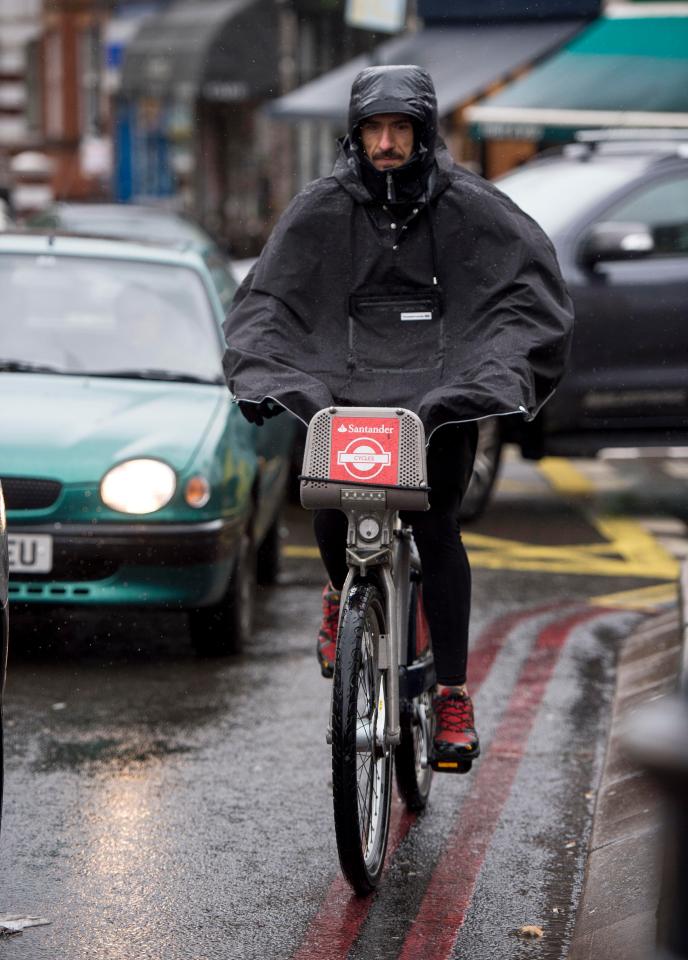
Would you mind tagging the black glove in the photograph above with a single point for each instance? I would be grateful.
(259, 412)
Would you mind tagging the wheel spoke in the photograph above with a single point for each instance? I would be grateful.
(361, 771)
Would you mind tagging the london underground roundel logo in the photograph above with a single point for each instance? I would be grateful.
(364, 458)
(364, 449)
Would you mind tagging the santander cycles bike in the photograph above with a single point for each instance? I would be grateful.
(370, 463)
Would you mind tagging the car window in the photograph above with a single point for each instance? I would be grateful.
(93, 315)
(663, 208)
(222, 278)
(125, 222)
(555, 193)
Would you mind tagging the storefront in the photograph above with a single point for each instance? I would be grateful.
(188, 123)
(627, 70)
(465, 60)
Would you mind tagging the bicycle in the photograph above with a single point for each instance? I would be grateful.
(370, 463)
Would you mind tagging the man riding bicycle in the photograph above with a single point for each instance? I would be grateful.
(404, 280)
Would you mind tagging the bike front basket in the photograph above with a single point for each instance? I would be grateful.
(371, 455)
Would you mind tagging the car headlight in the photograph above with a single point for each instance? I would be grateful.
(138, 486)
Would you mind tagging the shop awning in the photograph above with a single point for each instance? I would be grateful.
(464, 61)
(623, 71)
(218, 50)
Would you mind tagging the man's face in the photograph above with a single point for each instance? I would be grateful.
(387, 139)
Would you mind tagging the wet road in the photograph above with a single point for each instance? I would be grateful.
(158, 806)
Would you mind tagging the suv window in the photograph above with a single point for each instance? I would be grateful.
(663, 208)
(554, 193)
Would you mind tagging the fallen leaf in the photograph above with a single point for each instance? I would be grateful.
(15, 923)
(531, 931)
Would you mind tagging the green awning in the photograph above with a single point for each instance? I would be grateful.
(623, 71)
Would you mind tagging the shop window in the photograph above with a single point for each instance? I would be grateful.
(89, 81)
(54, 70)
(34, 89)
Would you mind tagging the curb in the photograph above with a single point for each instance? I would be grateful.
(617, 912)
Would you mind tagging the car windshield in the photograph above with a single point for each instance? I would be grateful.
(556, 193)
(125, 222)
(78, 315)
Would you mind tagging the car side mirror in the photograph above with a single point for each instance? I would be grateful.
(611, 241)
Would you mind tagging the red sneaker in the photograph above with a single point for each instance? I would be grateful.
(456, 742)
(327, 637)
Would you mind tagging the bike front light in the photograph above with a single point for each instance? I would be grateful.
(138, 486)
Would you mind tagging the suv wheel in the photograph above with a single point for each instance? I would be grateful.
(487, 459)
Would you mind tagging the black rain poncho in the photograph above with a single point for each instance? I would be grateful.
(432, 290)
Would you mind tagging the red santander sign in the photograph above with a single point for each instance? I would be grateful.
(365, 449)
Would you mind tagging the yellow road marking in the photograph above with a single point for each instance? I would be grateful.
(638, 546)
(645, 598)
(301, 553)
(628, 550)
(565, 478)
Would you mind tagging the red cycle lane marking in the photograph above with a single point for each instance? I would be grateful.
(334, 929)
(448, 897)
(342, 914)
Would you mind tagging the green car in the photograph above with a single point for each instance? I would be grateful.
(129, 474)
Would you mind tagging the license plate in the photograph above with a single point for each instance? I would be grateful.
(29, 553)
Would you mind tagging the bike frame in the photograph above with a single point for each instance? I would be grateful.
(385, 548)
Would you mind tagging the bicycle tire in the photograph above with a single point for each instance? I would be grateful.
(417, 725)
(361, 764)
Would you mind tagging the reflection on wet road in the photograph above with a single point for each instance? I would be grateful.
(158, 805)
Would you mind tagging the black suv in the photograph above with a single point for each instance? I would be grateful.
(4, 621)
(616, 210)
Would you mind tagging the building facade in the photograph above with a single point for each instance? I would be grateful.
(189, 121)
(20, 119)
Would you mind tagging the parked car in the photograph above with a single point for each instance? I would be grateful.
(130, 221)
(130, 476)
(617, 212)
(4, 627)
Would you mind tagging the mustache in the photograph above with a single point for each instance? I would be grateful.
(387, 155)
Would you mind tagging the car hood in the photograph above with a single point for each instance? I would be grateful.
(73, 429)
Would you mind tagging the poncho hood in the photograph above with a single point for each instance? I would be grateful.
(396, 89)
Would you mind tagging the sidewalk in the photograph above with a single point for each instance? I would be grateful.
(617, 916)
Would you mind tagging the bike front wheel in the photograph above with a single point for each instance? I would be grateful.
(361, 760)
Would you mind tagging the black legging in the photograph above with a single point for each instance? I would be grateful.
(446, 571)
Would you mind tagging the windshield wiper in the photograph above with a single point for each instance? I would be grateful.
(152, 373)
(25, 366)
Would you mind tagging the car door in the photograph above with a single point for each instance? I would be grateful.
(630, 356)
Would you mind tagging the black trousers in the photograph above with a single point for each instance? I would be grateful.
(446, 571)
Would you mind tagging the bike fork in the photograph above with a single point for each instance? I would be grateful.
(388, 658)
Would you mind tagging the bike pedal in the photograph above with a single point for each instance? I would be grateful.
(450, 766)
